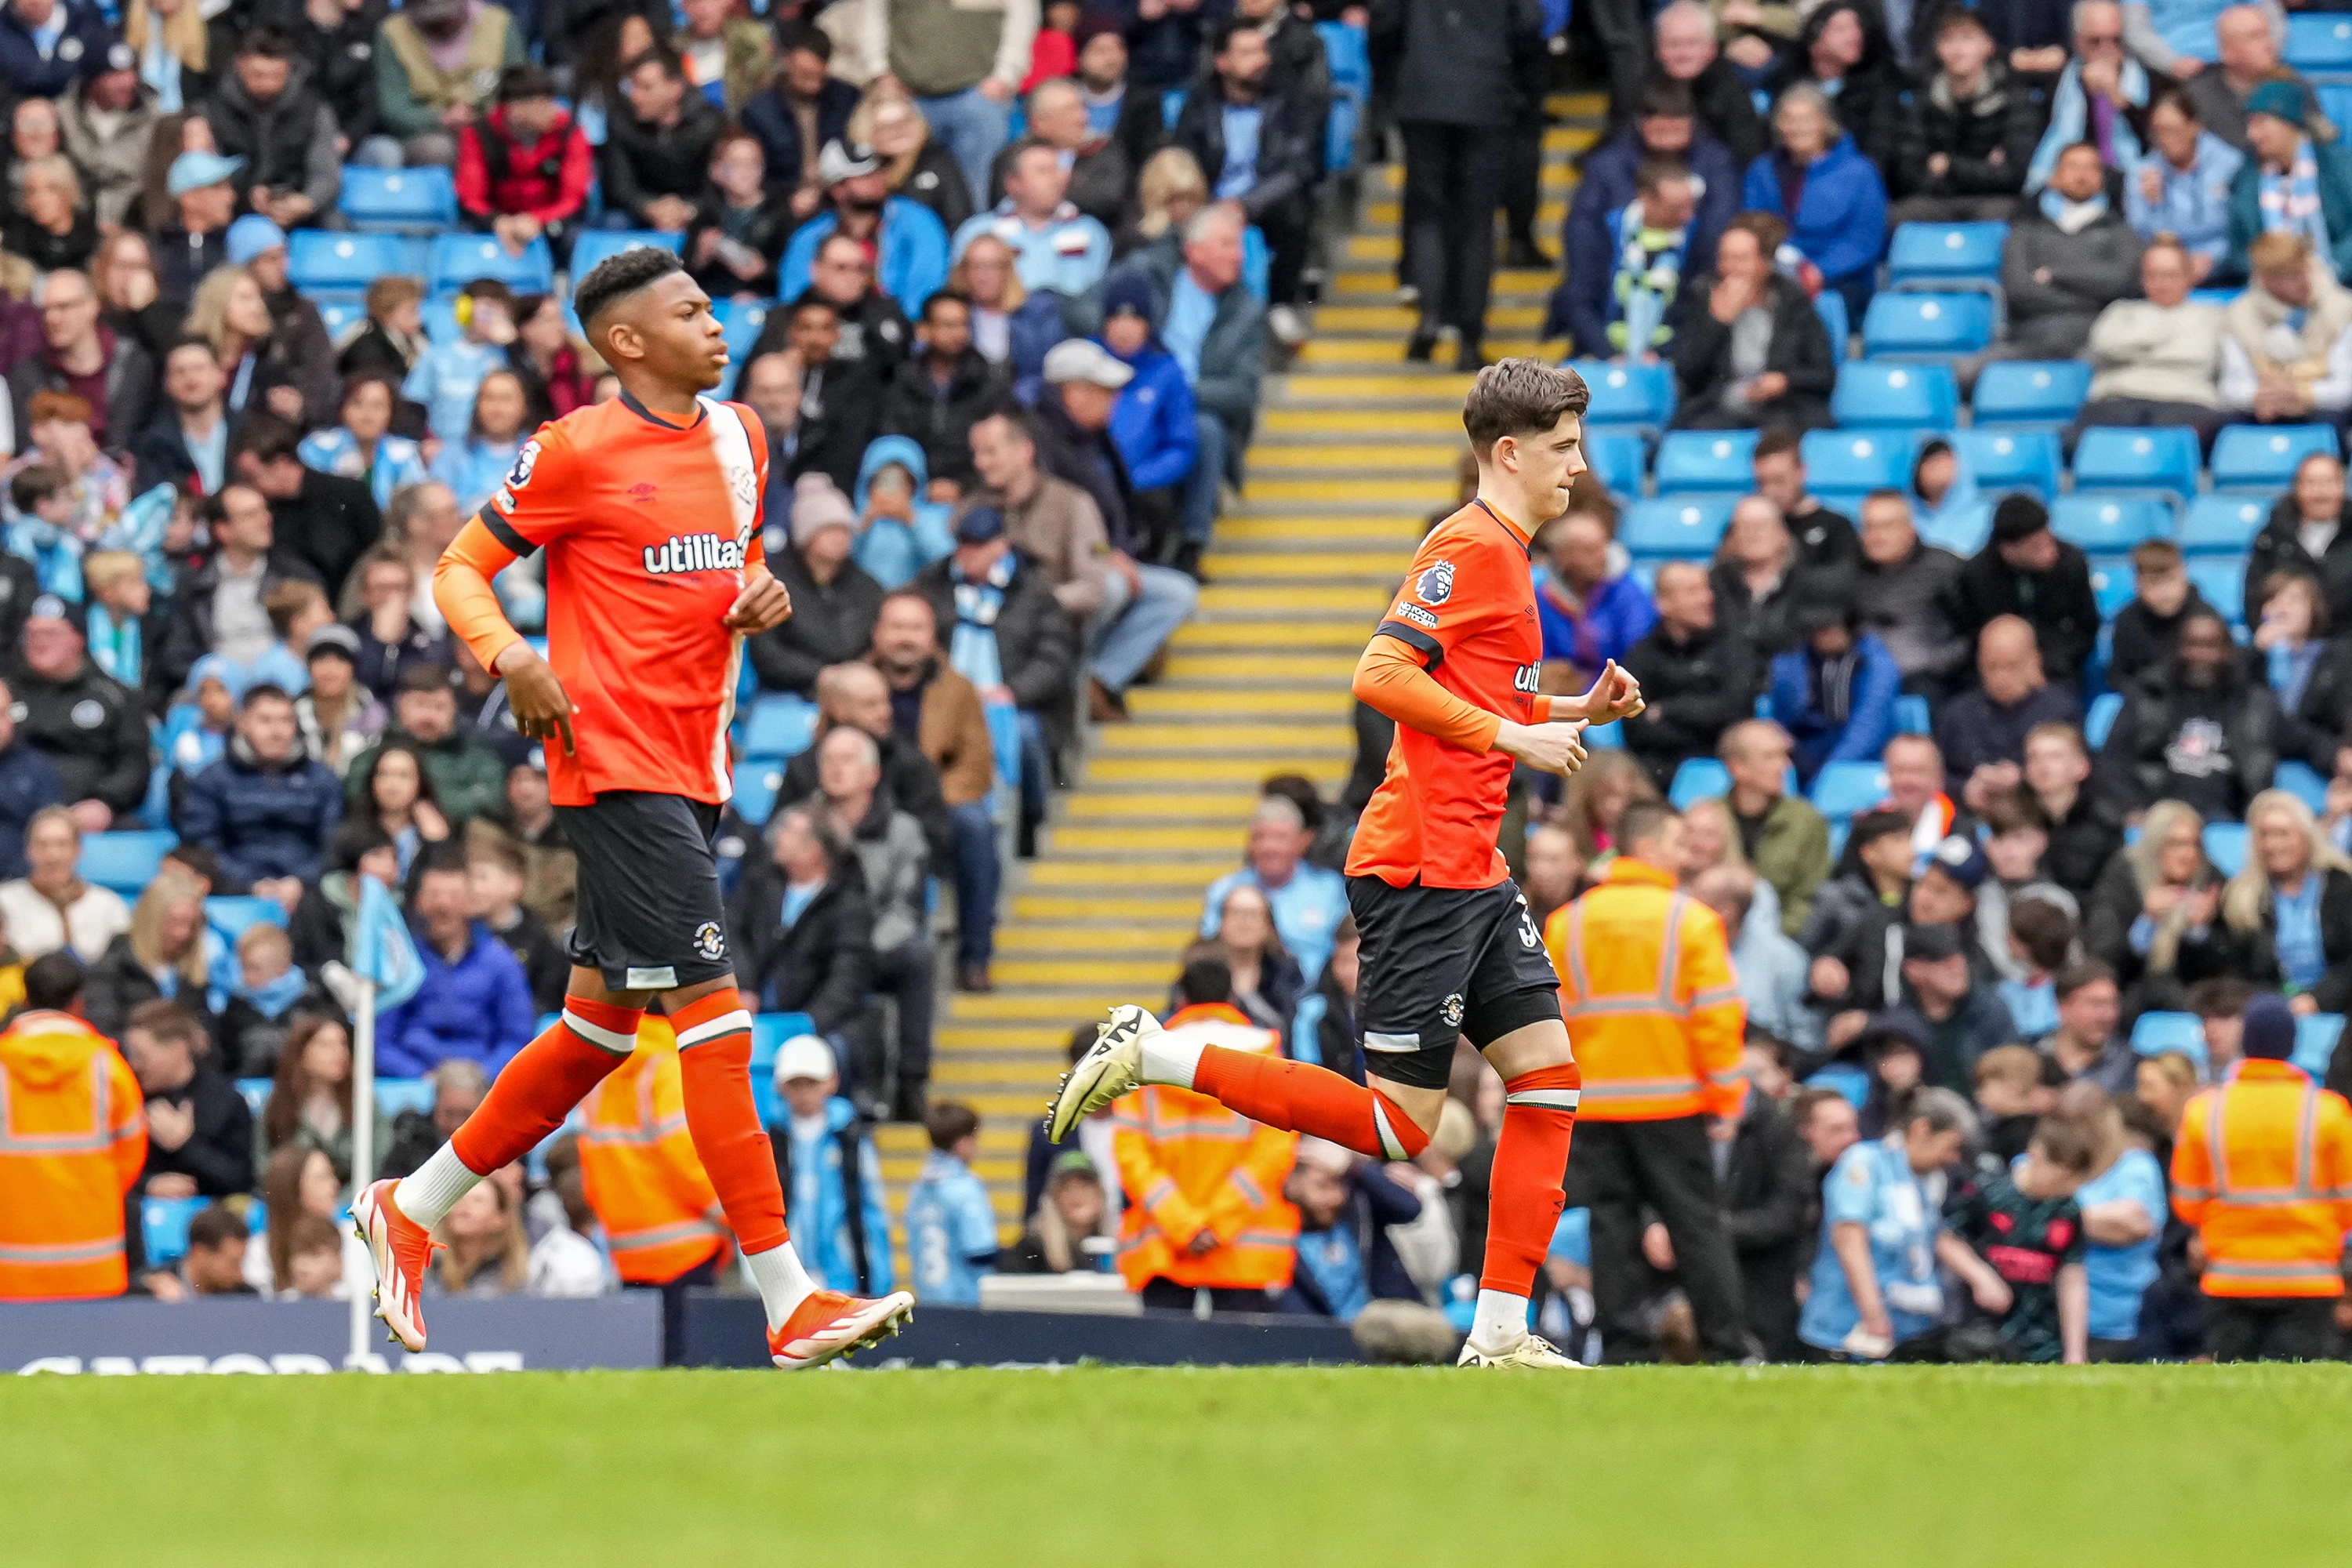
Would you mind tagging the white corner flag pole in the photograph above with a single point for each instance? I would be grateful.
(363, 1152)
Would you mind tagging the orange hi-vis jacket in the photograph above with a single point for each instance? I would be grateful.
(1190, 1164)
(2262, 1168)
(73, 1139)
(660, 1213)
(1651, 1007)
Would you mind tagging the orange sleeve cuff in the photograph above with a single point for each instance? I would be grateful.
(1543, 709)
(1391, 680)
(461, 587)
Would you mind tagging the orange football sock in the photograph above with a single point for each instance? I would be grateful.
(714, 1039)
(1525, 1192)
(1301, 1098)
(532, 1095)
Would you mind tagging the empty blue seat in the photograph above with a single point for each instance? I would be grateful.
(1847, 789)
(1619, 457)
(2112, 457)
(1698, 778)
(395, 1095)
(459, 259)
(2319, 41)
(1627, 394)
(2302, 781)
(1706, 460)
(1945, 252)
(1684, 528)
(125, 862)
(1964, 530)
(2031, 392)
(1876, 394)
(2101, 717)
(319, 261)
(769, 1033)
(2223, 584)
(2225, 845)
(164, 1227)
(233, 916)
(2182, 1032)
(2314, 1042)
(2009, 459)
(1927, 325)
(1608, 737)
(2222, 525)
(1912, 716)
(757, 780)
(2109, 524)
(1854, 462)
(341, 316)
(2114, 584)
(1830, 306)
(2259, 456)
(598, 245)
(421, 200)
(780, 726)
(742, 320)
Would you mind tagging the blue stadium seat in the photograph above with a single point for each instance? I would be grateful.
(1675, 527)
(1843, 465)
(341, 316)
(317, 261)
(2114, 584)
(1698, 778)
(1912, 716)
(1633, 393)
(459, 259)
(1945, 253)
(164, 1227)
(2222, 525)
(780, 726)
(2302, 781)
(2181, 1032)
(2314, 1042)
(1619, 457)
(2101, 717)
(757, 780)
(597, 245)
(1963, 531)
(2046, 392)
(1830, 306)
(2225, 845)
(1706, 460)
(2223, 584)
(2103, 524)
(440, 313)
(2265, 458)
(1257, 262)
(1005, 743)
(1346, 53)
(2110, 458)
(1172, 104)
(2009, 459)
(2319, 41)
(1876, 394)
(743, 320)
(395, 1095)
(1931, 326)
(255, 1093)
(1341, 131)
(231, 916)
(127, 861)
(422, 200)
(769, 1033)
(1605, 738)
(1847, 789)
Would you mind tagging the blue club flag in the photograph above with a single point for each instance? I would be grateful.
(381, 949)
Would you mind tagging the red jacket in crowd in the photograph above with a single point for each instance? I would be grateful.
(498, 176)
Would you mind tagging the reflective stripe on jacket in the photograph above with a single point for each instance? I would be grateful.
(1651, 1004)
(642, 1177)
(2262, 1167)
(73, 1139)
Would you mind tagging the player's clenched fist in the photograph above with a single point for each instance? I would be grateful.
(1554, 748)
(542, 710)
(1615, 695)
(763, 602)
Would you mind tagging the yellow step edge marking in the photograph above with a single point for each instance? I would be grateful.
(1327, 772)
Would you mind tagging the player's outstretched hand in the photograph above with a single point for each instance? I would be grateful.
(1615, 695)
(1557, 747)
(542, 710)
(764, 602)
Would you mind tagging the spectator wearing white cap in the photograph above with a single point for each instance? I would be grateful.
(834, 1201)
(909, 242)
(1055, 246)
(197, 239)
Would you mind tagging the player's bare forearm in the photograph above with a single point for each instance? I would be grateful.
(763, 605)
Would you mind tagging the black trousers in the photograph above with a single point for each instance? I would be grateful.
(1618, 1169)
(673, 1295)
(2276, 1328)
(1168, 1296)
(910, 975)
(1523, 186)
(1623, 28)
(1454, 178)
(1289, 230)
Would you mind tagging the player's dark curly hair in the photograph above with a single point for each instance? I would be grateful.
(621, 275)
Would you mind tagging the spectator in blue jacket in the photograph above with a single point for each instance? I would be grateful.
(1154, 422)
(1588, 617)
(48, 46)
(950, 1224)
(474, 1003)
(2181, 184)
(1830, 194)
(834, 1201)
(28, 782)
(1055, 246)
(265, 808)
(1667, 127)
(1308, 901)
(910, 245)
(1835, 691)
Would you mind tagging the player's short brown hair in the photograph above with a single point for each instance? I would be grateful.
(2151, 556)
(1780, 440)
(2065, 1144)
(950, 1124)
(167, 1021)
(2019, 1067)
(1521, 397)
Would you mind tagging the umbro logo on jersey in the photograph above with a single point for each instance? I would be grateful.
(693, 553)
(641, 493)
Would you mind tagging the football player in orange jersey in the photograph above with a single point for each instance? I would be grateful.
(648, 507)
(1450, 949)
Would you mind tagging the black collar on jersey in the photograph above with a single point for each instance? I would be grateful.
(629, 400)
(1526, 547)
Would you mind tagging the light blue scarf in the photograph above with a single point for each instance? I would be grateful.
(2070, 121)
(972, 651)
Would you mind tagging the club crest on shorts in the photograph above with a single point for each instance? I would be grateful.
(1435, 586)
(1530, 938)
(709, 942)
(1451, 1012)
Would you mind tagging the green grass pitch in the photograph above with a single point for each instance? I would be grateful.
(1892, 1467)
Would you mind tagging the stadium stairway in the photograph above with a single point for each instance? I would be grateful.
(1354, 449)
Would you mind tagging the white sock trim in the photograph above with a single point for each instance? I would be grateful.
(1390, 1143)
(1555, 1099)
(736, 1022)
(596, 1035)
(784, 1284)
(429, 1194)
(1501, 1321)
(1170, 1059)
